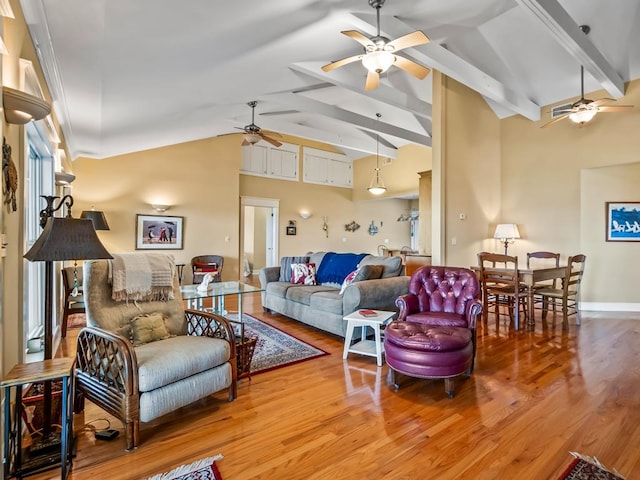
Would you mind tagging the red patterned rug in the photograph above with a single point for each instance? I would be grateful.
(588, 468)
(205, 469)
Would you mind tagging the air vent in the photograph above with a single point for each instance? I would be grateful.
(560, 110)
(387, 161)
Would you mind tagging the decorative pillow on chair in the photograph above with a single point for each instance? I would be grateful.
(147, 328)
(206, 267)
(303, 273)
(365, 272)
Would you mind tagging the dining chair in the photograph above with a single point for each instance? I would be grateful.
(499, 279)
(543, 259)
(203, 264)
(72, 303)
(568, 296)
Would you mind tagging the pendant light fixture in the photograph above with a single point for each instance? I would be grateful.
(376, 187)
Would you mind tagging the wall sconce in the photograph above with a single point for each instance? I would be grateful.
(21, 107)
(305, 215)
(506, 233)
(160, 208)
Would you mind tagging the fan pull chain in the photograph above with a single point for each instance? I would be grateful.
(74, 292)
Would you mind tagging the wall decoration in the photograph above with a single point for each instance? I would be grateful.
(291, 228)
(10, 176)
(373, 229)
(623, 221)
(351, 227)
(325, 226)
(158, 232)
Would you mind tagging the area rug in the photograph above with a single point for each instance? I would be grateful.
(275, 348)
(205, 469)
(587, 468)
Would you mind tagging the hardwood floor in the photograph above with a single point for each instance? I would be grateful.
(534, 397)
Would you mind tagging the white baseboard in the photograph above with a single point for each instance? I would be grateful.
(609, 307)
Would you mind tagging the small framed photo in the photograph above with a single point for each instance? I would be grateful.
(623, 221)
(291, 230)
(158, 232)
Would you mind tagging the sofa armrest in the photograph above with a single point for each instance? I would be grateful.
(377, 294)
(407, 304)
(268, 274)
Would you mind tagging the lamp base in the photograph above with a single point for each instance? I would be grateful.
(44, 455)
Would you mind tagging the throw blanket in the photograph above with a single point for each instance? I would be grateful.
(141, 276)
(335, 267)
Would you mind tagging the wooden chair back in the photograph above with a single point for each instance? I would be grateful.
(546, 259)
(575, 271)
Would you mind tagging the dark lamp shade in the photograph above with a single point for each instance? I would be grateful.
(97, 217)
(67, 239)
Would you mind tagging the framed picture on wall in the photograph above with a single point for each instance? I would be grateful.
(158, 232)
(291, 230)
(623, 221)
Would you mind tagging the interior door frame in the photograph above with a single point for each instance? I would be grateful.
(272, 257)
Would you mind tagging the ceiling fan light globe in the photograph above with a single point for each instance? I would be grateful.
(378, 61)
(583, 115)
(252, 138)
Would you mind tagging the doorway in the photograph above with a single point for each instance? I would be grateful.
(259, 234)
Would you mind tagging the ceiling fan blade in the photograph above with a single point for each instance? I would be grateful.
(272, 141)
(614, 108)
(373, 79)
(602, 101)
(409, 40)
(411, 67)
(358, 37)
(340, 63)
(566, 115)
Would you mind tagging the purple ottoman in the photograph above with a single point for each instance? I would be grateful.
(427, 351)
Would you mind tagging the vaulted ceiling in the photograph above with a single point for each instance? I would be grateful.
(131, 75)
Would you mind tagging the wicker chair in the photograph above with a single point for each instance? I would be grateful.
(203, 264)
(141, 383)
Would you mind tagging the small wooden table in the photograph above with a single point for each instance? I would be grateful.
(371, 348)
(16, 463)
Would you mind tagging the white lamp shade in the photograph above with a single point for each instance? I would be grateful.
(506, 230)
(583, 115)
(378, 61)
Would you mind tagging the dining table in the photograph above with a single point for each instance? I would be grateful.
(529, 277)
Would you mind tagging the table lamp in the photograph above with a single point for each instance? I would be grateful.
(62, 238)
(506, 233)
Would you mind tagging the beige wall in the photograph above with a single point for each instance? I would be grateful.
(543, 191)
(468, 173)
(198, 179)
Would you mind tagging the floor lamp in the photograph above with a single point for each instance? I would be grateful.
(63, 238)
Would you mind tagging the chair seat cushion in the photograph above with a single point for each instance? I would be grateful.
(417, 336)
(166, 361)
(442, 319)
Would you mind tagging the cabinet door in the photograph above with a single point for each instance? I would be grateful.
(254, 159)
(283, 164)
(340, 173)
(316, 169)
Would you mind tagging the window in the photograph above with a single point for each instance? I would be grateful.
(39, 180)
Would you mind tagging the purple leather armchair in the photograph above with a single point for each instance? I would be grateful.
(434, 335)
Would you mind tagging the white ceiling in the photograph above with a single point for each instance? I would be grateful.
(132, 75)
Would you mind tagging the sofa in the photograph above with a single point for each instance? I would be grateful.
(323, 304)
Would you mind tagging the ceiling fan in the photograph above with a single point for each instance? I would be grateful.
(584, 110)
(380, 52)
(253, 133)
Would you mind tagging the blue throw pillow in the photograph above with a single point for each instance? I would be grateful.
(335, 267)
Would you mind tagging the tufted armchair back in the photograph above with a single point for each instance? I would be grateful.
(444, 289)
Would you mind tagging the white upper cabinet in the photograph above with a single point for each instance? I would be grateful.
(269, 161)
(327, 168)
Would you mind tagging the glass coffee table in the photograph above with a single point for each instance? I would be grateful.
(217, 291)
